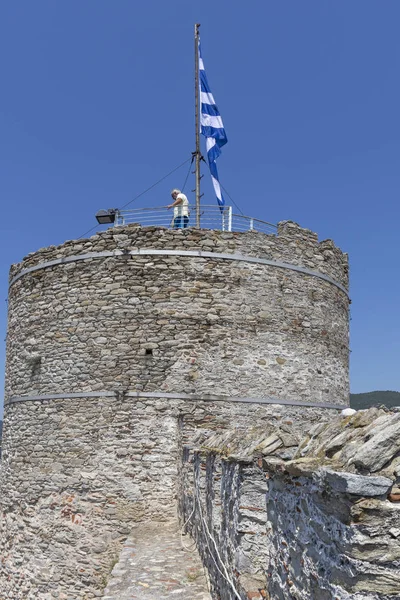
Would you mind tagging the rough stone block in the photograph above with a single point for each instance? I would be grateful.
(359, 485)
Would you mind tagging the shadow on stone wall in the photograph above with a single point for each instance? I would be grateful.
(275, 518)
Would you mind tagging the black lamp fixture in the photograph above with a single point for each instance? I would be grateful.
(104, 217)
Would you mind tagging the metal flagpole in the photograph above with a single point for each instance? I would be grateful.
(197, 119)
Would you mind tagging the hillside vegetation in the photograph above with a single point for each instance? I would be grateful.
(388, 398)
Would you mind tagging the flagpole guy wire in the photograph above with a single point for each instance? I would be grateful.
(144, 192)
(188, 173)
(225, 190)
(154, 184)
(231, 199)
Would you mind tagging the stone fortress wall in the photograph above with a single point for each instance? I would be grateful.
(120, 349)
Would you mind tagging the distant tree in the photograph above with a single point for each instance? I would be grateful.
(368, 399)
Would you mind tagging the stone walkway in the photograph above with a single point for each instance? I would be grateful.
(154, 566)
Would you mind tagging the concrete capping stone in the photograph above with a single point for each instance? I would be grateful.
(183, 253)
(172, 396)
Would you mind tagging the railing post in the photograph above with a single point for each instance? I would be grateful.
(229, 218)
(251, 224)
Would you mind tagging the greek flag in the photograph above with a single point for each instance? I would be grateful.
(212, 128)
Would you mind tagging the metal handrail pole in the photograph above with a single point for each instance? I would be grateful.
(229, 218)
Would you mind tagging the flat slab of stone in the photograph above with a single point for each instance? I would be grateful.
(153, 565)
(360, 485)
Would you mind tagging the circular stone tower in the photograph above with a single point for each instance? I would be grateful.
(188, 312)
(112, 340)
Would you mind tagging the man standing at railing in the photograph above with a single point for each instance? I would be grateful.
(181, 210)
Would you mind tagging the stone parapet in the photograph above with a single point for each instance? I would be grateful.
(293, 244)
(275, 518)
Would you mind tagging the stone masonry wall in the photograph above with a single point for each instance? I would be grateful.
(75, 477)
(281, 520)
(77, 474)
(182, 324)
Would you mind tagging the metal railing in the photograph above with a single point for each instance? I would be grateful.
(211, 217)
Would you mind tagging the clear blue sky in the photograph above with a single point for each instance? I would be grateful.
(97, 104)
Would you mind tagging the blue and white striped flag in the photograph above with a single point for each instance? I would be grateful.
(212, 128)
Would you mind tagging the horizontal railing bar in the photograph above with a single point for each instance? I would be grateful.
(191, 206)
(211, 215)
(254, 219)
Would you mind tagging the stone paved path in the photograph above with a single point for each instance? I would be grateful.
(154, 566)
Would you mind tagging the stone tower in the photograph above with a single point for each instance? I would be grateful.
(120, 345)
